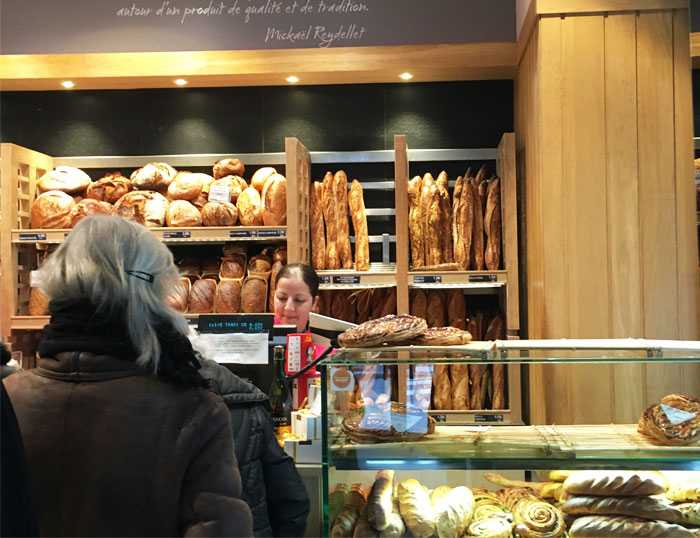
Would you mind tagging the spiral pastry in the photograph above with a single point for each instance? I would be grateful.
(538, 519)
(491, 510)
(484, 496)
(491, 527)
(511, 496)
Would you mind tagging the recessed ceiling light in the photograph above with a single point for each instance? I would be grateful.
(180, 81)
(67, 84)
(406, 76)
(292, 79)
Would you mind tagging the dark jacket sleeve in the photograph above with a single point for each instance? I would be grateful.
(287, 499)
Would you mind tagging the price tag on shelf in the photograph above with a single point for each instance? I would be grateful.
(483, 278)
(346, 279)
(219, 193)
(427, 279)
(488, 418)
(32, 237)
(176, 235)
(243, 233)
(324, 279)
(272, 233)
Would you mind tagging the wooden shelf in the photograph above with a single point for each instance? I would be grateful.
(28, 323)
(380, 275)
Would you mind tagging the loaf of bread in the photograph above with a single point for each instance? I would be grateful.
(441, 336)
(466, 223)
(636, 506)
(329, 216)
(88, 206)
(456, 197)
(232, 266)
(38, 303)
(254, 295)
(260, 177)
(202, 295)
(492, 226)
(336, 501)
(426, 199)
(274, 201)
(435, 241)
(359, 224)
(219, 214)
(362, 528)
(389, 304)
(456, 309)
(109, 188)
(459, 379)
(145, 207)
(66, 179)
(616, 483)
(418, 303)
(453, 511)
(52, 209)
(416, 508)
(190, 268)
(386, 330)
(228, 167)
(185, 186)
(181, 213)
(415, 227)
(180, 295)
(153, 177)
(656, 424)
(350, 513)
(690, 513)
(211, 267)
(445, 227)
(318, 232)
(477, 245)
(340, 195)
(442, 387)
(614, 526)
(435, 310)
(276, 268)
(260, 263)
(380, 502)
(249, 208)
(476, 372)
(236, 185)
(396, 527)
(228, 296)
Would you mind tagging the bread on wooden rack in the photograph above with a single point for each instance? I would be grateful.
(340, 195)
(359, 224)
(492, 226)
(318, 231)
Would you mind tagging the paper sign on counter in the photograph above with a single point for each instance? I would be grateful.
(239, 348)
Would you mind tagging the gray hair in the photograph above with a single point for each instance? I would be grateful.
(92, 264)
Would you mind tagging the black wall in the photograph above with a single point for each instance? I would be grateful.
(254, 120)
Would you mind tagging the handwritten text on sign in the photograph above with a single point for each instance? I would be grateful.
(196, 25)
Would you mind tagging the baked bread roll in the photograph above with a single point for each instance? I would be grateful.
(415, 227)
(179, 296)
(88, 206)
(359, 224)
(65, 179)
(616, 483)
(453, 512)
(492, 226)
(219, 214)
(181, 213)
(274, 201)
(249, 210)
(318, 232)
(145, 207)
(260, 177)
(416, 509)
(228, 296)
(340, 195)
(684, 492)
(384, 330)
(348, 516)
(52, 209)
(614, 526)
(636, 506)
(38, 303)
(185, 186)
(418, 303)
(655, 423)
(109, 188)
(234, 184)
(690, 513)
(329, 216)
(228, 167)
(254, 295)
(232, 266)
(153, 177)
(380, 502)
(202, 294)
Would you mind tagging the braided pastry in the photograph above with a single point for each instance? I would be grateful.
(655, 423)
(538, 519)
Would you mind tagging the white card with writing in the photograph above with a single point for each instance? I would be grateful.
(676, 416)
(34, 279)
(219, 193)
(238, 348)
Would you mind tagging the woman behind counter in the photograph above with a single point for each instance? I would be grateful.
(296, 295)
(122, 438)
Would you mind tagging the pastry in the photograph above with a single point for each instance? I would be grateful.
(385, 330)
(690, 513)
(153, 177)
(538, 519)
(656, 424)
(219, 214)
(185, 186)
(181, 213)
(613, 526)
(380, 501)
(274, 201)
(109, 188)
(495, 526)
(249, 208)
(66, 179)
(359, 224)
(616, 483)
(684, 492)
(145, 207)
(52, 209)
(228, 167)
(416, 508)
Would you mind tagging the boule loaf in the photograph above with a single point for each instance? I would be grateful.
(260, 177)
(145, 207)
(88, 206)
(153, 177)
(232, 266)
(234, 184)
(181, 213)
(219, 214)
(274, 201)
(249, 209)
(64, 178)
(185, 186)
(228, 167)
(109, 188)
(52, 209)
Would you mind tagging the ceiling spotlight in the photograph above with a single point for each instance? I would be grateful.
(180, 81)
(67, 84)
(292, 79)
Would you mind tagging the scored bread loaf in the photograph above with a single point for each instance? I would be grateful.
(492, 226)
(329, 216)
(64, 178)
(616, 483)
(418, 303)
(359, 224)
(185, 186)
(414, 225)
(52, 209)
(425, 199)
(459, 379)
(232, 266)
(416, 508)
(109, 188)
(435, 242)
(456, 196)
(442, 388)
(445, 228)
(219, 214)
(614, 526)
(466, 223)
(228, 167)
(88, 206)
(477, 245)
(276, 268)
(389, 303)
(145, 207)
(228, 296)
(260, 177)
(274, 201)
(179, 296)
(318, 232)
(249, 208)
(435, 309)
(153, 177)
(254, 295)
(456, 309)
(636, 506)
(340, 194)
(380, 501)
(476, 372)
(202, 294)
(182, 213)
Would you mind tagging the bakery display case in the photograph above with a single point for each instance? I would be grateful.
(365, 433)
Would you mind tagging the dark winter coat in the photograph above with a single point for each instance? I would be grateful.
(271, 484)
(113, 451)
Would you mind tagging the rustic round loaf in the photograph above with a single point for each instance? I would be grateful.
(52, 210)
(386, 330)
(655, 423)
(153, 177)
(88, 206)
(65, 178)
(185, 186)
(181, 213)
(228, 167)
(145, 207)
(235, 184)
(260, 177)
(219, 214)
(274, 201)
(249, 208)
(109, 188)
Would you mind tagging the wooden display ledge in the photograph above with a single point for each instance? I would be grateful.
(197, 234)
(485, 417)
(28, 323)
(461, 279)
(380, 275)
(577, 447)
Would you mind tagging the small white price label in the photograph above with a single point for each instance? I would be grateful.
(34, 279)
(219, 193)
(676, 416)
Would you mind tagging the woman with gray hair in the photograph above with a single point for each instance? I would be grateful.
(122, 437)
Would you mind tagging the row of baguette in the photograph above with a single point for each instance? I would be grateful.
(157, 195)
(582, 503)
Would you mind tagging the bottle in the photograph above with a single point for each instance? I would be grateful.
(280, 396)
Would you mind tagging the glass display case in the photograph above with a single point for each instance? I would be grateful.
(378, 416)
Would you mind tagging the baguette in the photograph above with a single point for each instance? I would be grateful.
(318, 233)
(414, 224)
(377, 302)
(359, 224)
(329, 216)
(418, 303)
(424, 215)
(434, 243)
(389, 303)
(492, 226)
(457, 246)
(477, 244)
(442, 388)
(435, 310)
(614, 526)
(496, 331)
(475, 373)
(466, 224)
(616, 483)
(459, 378)
(445, 223)
(340, 194)
(456, 309)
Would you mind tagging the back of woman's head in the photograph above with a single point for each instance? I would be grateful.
(122, 270)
